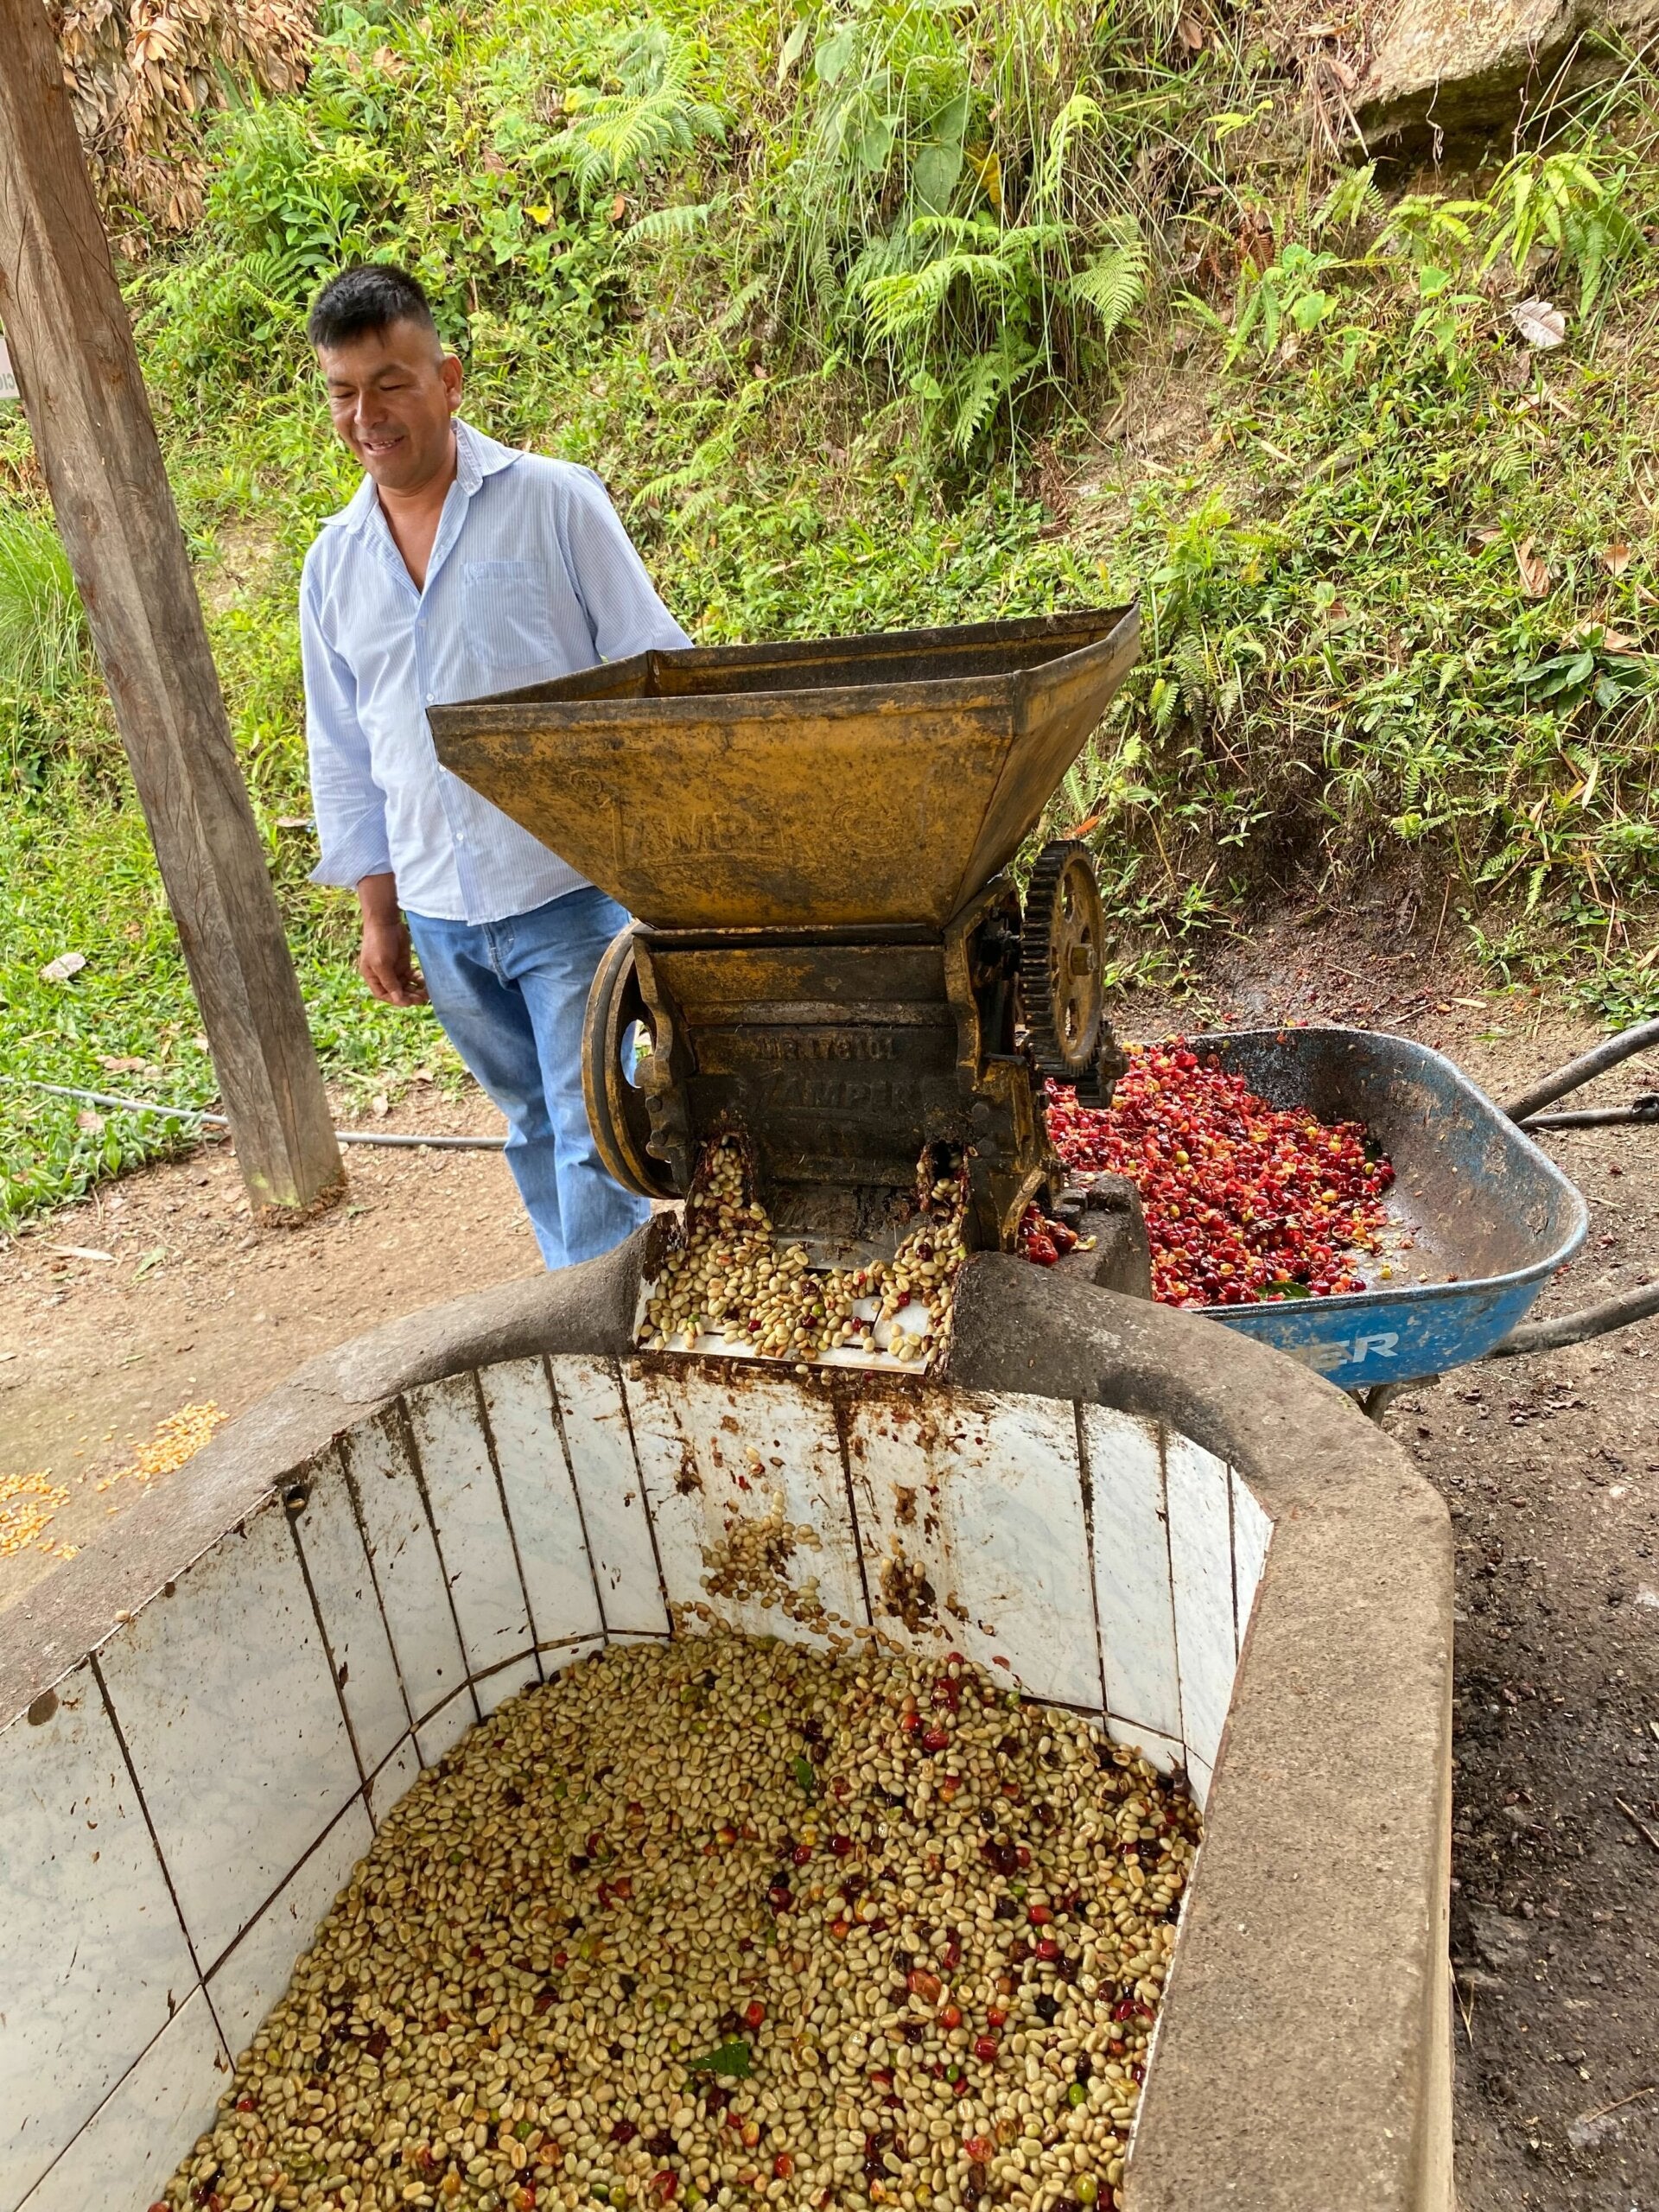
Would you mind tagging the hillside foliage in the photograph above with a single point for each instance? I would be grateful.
(883, 313)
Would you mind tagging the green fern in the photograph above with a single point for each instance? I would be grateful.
(987, 381)
(683, 220)
(1353, 202)
(1112, 283)
(614, 136)
(1081, 117)
(976, 251)
(1568, 202)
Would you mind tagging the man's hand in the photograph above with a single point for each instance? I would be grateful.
(386, 962)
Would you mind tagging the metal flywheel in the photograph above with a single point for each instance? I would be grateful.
(1061, 994)
(617, 1023)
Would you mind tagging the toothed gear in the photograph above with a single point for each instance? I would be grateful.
(1060, 990)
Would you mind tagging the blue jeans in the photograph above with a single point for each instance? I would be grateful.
(510, 995)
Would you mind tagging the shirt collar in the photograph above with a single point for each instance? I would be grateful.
(476, 457)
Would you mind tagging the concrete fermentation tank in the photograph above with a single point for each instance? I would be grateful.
(1147, 1516)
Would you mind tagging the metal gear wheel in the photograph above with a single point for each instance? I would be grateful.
(1060, 989)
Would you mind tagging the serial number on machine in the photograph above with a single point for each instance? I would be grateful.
(824, 1045)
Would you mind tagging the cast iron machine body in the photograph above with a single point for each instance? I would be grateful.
(828, 952)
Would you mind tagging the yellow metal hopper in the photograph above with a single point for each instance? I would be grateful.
(863, 782)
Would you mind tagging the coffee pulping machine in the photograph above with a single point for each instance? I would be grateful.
(829, 951)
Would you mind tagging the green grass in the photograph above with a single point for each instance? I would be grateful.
(840, 306)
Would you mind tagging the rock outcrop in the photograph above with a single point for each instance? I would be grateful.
(1465, 67)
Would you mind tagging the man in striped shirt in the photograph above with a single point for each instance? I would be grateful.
(462, 566)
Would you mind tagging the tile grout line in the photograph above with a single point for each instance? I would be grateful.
(1143, 1728)
(413, 1450)
(293, 1521)
(410, 1740)
(114, 2090)
(499, 1666)
(512, 1534)
(576, 1492)
(1086, 1487)
(840, 1413)
(305, 1857)
(345, 1449)
(1169, 1567)
(644, 1498)
(155, 1846)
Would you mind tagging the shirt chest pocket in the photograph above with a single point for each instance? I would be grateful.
(509, 620)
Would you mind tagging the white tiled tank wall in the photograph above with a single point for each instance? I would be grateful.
(176, 1818)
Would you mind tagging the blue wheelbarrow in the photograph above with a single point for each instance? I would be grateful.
(1479, 1218)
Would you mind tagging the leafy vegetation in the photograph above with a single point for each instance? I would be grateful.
(42, 635)
(895, 312)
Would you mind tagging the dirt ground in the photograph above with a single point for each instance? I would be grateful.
(188, 1304)
(1549, 1465)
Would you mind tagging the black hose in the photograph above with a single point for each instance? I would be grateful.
(387, 1137)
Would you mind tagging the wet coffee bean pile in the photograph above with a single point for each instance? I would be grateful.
(727, 1922)
(729, 1277)
(1243, 1201)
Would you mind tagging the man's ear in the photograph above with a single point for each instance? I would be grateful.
(452, 373)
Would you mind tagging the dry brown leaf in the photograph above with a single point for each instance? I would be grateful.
(1542, 324)
(1534, 574)
(1616, 558)
(1601, 634)
(144, 75)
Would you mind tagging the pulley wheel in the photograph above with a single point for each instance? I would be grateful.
(1060, 990)
(616, 1020)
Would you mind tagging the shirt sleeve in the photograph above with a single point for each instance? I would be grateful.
(350, 806)
(621, 601)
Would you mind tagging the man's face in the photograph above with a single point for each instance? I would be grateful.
(391, 393)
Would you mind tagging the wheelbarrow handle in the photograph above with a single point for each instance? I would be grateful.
(1597, 1061)
(1578, 1328)
(1528, 1109)
(1643, 1108)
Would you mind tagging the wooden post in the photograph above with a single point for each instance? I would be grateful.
(72, 353)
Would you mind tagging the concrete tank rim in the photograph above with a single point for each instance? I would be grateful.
(1210, 1381)
(1327, 2080)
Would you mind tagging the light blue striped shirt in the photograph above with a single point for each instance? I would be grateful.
(531, 577)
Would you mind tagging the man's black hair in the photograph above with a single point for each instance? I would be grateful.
(370, 297)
